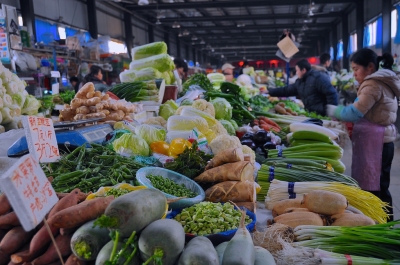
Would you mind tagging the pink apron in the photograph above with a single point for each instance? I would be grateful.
(367, 154)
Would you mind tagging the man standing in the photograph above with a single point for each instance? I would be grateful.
(227, 71)
(324, 63)
(313, 87)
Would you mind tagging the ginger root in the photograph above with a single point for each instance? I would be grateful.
(98, 94)
(67, 114)
(80, 117)
(96, 115)
(88, 87)
(90, 94)
(82, 110)
(105, 97)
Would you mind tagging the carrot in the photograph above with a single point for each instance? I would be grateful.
(81, 213)
(15, 239)
(73, 260)
(9, 220)
(42, 237)
(5, 205)
(230, 155)
(4, 258)
(265, 119)
(63, 243)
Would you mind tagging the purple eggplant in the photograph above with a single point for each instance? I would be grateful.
(261, 137)
(249, 143)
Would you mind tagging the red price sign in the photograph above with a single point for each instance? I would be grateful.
(28, 190)
(41, 138)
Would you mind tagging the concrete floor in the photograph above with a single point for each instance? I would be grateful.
(394, 175)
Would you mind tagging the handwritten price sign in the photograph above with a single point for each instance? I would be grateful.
(28, 190)
(41, 138)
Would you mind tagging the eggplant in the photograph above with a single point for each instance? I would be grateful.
(261, 137)
(247, 135)
(249, 143)
(314, 121)
(269, 146)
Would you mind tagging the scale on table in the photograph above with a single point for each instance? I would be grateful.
(68, 135)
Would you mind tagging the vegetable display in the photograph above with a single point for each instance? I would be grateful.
(137, 91)
(207, 218)
(169, 186)
(198, 79)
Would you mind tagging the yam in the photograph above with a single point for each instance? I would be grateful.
(236, 191)
(15, 239)
(5, 205)
(351, 219)
(81, 213)
(325, 202)
(9, 220)
(63, 243)
(230, 155)
(299, 218)
(281, 206)
(199, 251)
(239, 171)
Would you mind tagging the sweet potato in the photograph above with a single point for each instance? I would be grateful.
(5, 205)
(9, 220)
(236, 191)
(63, 243)
(26, 256)
(67, 231)
(3, 232)
(239, 171)
(81, 213)
(230, 155)
(73, 260)
(325, 202)
(15, 239)
(281, 206)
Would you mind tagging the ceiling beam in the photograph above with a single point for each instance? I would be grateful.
(236, 3)
(258, 35)
(254, 17)
(274, 26)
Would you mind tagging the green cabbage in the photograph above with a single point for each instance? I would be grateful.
(167, 78)
(18, 99)
(172, 103)
(192, 112)
(130, 144)
(127, 76)
(168, 109)
(150, 133)
(187, 102)
(162, 63)
(223, 109)
(31, 106)
(228, 126)
(7, 114)
(148, 50)
(234, 124)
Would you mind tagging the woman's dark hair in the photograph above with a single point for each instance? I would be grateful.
(364, 57)
(179, 63)
(94, 70)
(304, 64)
(386, 61)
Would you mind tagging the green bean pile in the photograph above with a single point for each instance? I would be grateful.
(91, 168)
(117, 192)
(170, 187)
(207, 218)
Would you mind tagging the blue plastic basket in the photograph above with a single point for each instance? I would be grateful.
(141, 177)
(219, 238)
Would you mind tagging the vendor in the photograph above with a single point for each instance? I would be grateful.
(181, 67)
(74, 83)
(373, 113)
(96, 77)
(313, 87)
(227, 71)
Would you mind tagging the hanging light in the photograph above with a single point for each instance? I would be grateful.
(241, 25)
(194, 37)
(186, 33)
(180, 34)
(176, 25)
(222, 56)
(158, 22)
(202, 41)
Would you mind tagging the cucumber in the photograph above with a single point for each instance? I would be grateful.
(303, 142)
(199, 251)
(105, 253)
(311, 135)
(88, 240)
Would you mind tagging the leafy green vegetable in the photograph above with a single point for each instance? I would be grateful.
(223, 109)
(168, 109)
(117, 192)
(200, 80)
(161, 62)
(187, 102)
(67, 96)
(131, 144)
(150, 133)
(228, 126)
(260, 103)
(137, 91)
(234, 124)
(32, 105)
(148, 50)
(190, 163)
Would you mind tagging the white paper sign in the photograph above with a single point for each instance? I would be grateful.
(28, 191)
(41, 138)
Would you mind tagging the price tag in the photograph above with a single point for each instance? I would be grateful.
(41, 138)
(28, 190)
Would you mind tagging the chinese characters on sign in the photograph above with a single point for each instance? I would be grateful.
(28, 190)
(41, 138)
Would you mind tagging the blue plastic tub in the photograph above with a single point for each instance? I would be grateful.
(141, 177)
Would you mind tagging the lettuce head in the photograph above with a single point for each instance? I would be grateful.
(223, 109)
(130, 144)
(31, 106)
(150, 133)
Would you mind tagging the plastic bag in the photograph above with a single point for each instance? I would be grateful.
(150, 133)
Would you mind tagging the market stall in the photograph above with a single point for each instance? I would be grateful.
(218, 176)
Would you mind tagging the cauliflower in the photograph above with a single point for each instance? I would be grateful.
(205, 106)
(248, 151)
(156, 121)
(222, 142)
(179, 111)
(219, 129)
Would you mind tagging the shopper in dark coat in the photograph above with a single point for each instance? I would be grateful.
(313, 88)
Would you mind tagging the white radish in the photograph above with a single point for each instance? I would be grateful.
(298, 126)
(263, 257)
(240, 250)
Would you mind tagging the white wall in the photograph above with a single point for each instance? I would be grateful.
(109, 26)
(73, 12)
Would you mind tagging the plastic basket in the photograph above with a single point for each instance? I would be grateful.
(219, 238)
(141, 177)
